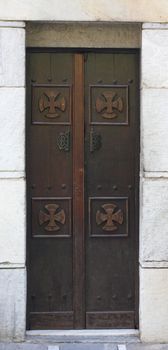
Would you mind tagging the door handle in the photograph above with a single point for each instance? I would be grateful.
(63, 141)
(95, 141)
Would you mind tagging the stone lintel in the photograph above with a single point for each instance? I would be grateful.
(94, 35)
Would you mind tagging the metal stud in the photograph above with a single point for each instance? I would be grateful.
(130, 187)
(99, 187)
(63, 186)
(100, 81)
(33, 186)
(129, 296)
(115, 187)
(114, 81)
(49, 79)
(130, 81)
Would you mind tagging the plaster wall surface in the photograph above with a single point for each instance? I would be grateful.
(85, 10)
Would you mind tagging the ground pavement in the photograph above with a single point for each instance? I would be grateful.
(88, 346)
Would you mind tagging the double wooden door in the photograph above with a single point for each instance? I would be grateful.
(82, 189)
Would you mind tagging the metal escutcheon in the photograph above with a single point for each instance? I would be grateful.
(63, 141)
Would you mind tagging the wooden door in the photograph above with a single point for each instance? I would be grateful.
(82, 189)
(112, 163)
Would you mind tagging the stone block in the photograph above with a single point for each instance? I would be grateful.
(153, 305)
(12, 24)
(12, 304)
(12, 56)
(154, 126)
(143, 346)
(155, 25)
(153, 222)
(154, 59)
(26, 346)
(12, 130)
(12, 222)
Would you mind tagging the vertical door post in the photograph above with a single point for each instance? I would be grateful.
(78, 193)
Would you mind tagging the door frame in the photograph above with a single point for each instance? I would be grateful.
(78, 209)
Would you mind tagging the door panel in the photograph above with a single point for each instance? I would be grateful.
(49, 169)
(82, 189)
(111, 120)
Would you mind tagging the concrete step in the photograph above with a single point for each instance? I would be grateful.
(84, 336)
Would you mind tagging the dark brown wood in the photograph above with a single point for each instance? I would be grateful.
(49, 190)
(82, 189)
(51, 320)
(78, 193)
(113, 319)
(111, 187)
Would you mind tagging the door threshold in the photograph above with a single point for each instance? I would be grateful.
(83, 336)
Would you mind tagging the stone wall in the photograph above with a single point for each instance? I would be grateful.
(154, 184)
(12, 181)
(154, 169)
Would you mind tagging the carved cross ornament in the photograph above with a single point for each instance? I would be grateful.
(110, 216)
(52, 217)
(108, 103)
(52, 101)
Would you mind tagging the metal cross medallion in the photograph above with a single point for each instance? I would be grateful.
(52, 100)
(52, 217)
(109, 217)
(109, 103)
